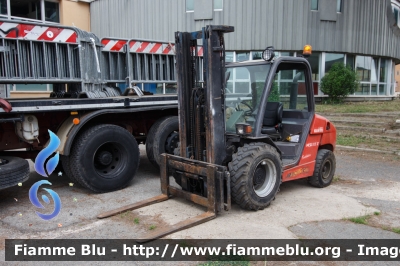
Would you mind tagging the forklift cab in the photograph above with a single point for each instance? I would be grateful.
(271, 100)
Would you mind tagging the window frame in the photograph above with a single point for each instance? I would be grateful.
(186, 6)
(339, 6)
(314, 2)
(218, 9)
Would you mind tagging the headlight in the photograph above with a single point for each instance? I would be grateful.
(269, 53)
(243, 129)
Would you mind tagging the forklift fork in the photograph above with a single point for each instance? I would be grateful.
(217, 195)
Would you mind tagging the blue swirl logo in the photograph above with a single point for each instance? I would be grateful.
(46, 169)
(46, 153)
(35, 201)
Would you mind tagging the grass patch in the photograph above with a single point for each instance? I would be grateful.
(227, 261)
(396, 230)
(336, 178)
(152, 227)
(377, 213)
(124, 214)
(360, 220)
(360, 107)
(348, 140)
(136, 220)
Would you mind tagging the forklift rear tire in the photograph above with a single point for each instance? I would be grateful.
(163, 137)
(324, 170)
(104, 158)
(256, 171)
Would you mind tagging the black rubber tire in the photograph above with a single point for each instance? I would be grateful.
(116, 147)
(163, 131)
(66, 168)
(15, 170)
(247, 167)
(324, 171)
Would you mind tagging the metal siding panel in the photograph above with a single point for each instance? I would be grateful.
(362, 27)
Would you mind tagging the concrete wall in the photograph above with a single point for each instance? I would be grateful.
(76, 14)
(363, 27)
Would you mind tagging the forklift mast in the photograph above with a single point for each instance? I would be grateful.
(201, 106)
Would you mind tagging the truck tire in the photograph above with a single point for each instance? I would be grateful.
(104, 158)
(256, 174)
(325, 166)
(14, 170)
(66, 168)
(163, 137)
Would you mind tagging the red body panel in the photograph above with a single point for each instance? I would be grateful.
(322, 132)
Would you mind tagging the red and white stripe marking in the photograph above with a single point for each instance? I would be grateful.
(38, 33)
(113, 45)
(151, 47)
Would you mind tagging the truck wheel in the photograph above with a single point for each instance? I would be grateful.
(14, 170)
(104, 158)
(163, 137)
(256, 171)
(325, 166)
(66, 168)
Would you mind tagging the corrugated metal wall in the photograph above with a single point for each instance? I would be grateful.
(363, 26)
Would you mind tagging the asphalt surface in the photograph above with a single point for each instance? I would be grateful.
(365, 184)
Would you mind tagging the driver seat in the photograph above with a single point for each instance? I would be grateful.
(273, 119)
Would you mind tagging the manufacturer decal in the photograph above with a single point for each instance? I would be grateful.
(298, 172)
(319, 130)
(312, 144)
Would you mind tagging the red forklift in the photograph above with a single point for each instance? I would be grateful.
(243, 131)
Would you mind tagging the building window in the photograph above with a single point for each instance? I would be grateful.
(351, 60)
(189, 5)
(3, 7)
(339, 6)
(52, 10)
(31, 10)
(330, 59)
(256, 55)
(242, 56)
(218, 5)
(314, 4)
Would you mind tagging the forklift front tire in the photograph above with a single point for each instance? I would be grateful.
(325, 165)
(256, 171)
(163, 137)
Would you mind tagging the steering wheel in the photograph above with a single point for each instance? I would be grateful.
(247, 112)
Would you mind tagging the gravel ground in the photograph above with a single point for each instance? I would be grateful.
(365, 184)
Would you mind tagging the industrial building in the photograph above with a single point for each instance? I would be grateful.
(361, 33)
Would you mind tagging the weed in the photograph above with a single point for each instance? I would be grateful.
(360, 220)
(377, 213)
(152, 227)
(136, 220)
(124, 214)
(227, 261)
(396, 230)
(336, 178)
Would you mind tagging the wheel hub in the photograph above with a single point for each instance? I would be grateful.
(104, 158)
(172, 142)
(326, 170)
(259, 177)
